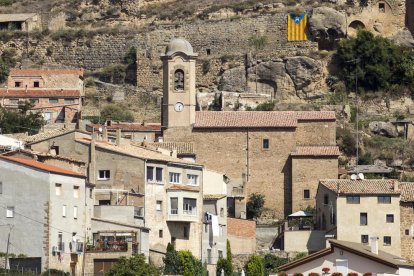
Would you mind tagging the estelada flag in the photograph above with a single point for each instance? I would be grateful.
(296, 27)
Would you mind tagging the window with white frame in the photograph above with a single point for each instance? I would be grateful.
(190, 206)
(75, 212)
(104, 174)
(174, 206)
(192, 179)
(159, 205)
(58, 189)
(76, 191)
(64, 211)
(175, 177)
(220, 253)
(154, 174)
(10, 212)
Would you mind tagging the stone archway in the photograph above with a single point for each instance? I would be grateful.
(354, 26)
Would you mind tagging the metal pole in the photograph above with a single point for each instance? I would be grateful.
(357, 121)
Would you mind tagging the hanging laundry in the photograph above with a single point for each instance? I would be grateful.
(296, 27)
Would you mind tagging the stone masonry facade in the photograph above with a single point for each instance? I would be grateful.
(407, 235)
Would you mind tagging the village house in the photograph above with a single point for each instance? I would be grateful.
(26, 22)
(349, 257)
(280, 154)
(355, 210)
(48, 213)
(407, 220)
(57, 94)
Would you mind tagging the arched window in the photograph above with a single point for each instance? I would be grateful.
(179, 80)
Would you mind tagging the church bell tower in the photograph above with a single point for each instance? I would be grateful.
(179, 98)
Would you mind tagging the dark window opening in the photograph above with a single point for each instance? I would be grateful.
(407, 232)
(363, 219)
(384, 199)
(387, 240)
(55, 149)
(326, 199)
(17, 84)
(104, 202)
(381, 7)
(364, 238)
(352, 199)
(160, 233)
(266, 144)
(306, 194)
(208, 52)
(36, 84)
(185, 232)
(179, 80)
(390, 218)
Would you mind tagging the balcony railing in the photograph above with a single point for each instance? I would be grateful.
(111, 246)
(76, 247)
(174, 211)
(189, 212)
(238, 191)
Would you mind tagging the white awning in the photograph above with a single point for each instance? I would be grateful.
(300, 214)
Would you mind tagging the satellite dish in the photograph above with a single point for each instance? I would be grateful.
(361, 176)
(354, 177)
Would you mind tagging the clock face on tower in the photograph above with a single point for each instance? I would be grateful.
(179, 107)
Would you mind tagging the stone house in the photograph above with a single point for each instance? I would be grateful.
(57, 94)
(407, 220)
(49, 212)
(256, 150)
(349, 257)
(355, 210)
(26, 22)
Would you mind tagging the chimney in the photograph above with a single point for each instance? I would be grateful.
(395, 186)
(105, 134)
(374, 245)
(118, 137)
(109, 122)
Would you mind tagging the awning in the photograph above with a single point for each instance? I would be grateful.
(300, 214)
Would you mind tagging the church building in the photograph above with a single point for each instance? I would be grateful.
(279, 154)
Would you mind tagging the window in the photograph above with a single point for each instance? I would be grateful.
(192, 179)
(384, 199)
(75, 212)
(352, 199)
(390, 218)
(76, 191)
(154, 174)
(306, 194)
(364, 239)
(220, 253)
(325, 199)
(190, 206)
(174, 206)
(160, 233)
(58, 189)
(179, 80)
(61, 245)
(407, 232)
(53, 100)
(185, 234)
(10, 212)
(36, 84)
(159, 205)
(387, 240)
(69, 101)
(363, 219)
(17, 84)
(1, 188)
(266, 144)
(381, 7)
(208, 51)
(104, 175)
(90, 193)
(54, 150)
(64, 211)
(175, 177)
(208, 256)
(221, 212)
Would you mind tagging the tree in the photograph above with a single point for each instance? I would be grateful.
(133, 266)
(229, 255)
(21, 120)
(190, 265)
(172, 263)
(254, 266)
(255, 205)
(271, 263)
(117, 113)
(258, 43)
(225, 265)
(4, 70)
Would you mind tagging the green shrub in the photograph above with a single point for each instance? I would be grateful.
(55, 272)
(6, 2)
(254, 266)
(134, 265)
(171, 260)
(271, 263)
(255, 205)
(225, 265)
(117, 113)
(190, 265)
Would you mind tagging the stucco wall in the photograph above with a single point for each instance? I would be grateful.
(304, 241)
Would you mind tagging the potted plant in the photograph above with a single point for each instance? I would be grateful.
(297, 274)
(336, 274)
(313, 274)
(352, 274)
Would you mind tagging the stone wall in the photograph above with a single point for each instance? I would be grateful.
(407, 222)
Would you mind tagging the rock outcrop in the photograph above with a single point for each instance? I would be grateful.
(233, 80)
(327, 22)
(383, 128)
(404, 38)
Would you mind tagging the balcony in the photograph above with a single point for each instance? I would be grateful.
(237, 192)
(180, 215)
(114, 242)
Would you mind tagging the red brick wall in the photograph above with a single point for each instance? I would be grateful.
(241, 227)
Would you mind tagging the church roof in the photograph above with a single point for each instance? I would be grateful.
(264, 119)
(179, 45)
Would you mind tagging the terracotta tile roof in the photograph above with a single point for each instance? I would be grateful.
(39, 93)
(241, 228)
(316, 115)
(316, 151)
(139, 152)
(237, 119)
(129, 126)
(15, 72)
(213, 197)
(41, 166)
(407, 191)
(180, 147)
(183, 188)
(361, 187)
(47, 135)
